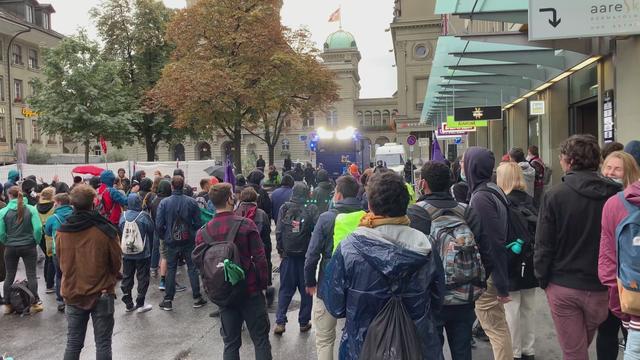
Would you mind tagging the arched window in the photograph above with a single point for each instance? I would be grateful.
(332, 118)
(285, 145)
(203, 150)
(360, 117)
(382, 140)
(97, 150)
(368, 118)
(386, 117)
(309, 121)
(377, 118)
(178, 153)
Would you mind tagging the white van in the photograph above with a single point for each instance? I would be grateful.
(393, 156)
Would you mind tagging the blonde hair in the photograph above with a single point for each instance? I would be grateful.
(629, 165)
(47, 194)
(510, 177)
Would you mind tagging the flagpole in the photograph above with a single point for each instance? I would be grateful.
(340, 8)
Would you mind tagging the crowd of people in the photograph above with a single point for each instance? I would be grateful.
(405, 273)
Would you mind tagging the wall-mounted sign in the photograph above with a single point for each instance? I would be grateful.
(441, 133)
(26, 112)
(553, 19)
(446, 129)
(536, 107)
(608, 119)
(477, 113)
(451, 123)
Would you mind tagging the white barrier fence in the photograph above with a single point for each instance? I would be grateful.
(193, 170)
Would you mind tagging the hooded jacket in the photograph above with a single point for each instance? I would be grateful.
(321, 244)
(177, 205)
(322, 193)
(261, 219)
(355, 288)
(299, 197)
(145, 224)
(113, 199)
(279, 197)
(529, 176)
(487, 216)
(568, 233)
(613, 213)
(28, 232)
(264, 202)
(12, 180)
(164, 191)
(60, 215)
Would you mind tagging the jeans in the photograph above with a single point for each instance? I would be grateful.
(490, 313)
(608, 341)
(155, 252)
(253, 311)
(292, 278)
(49, 270)
(173, 254)
(457, 321)
(103, 321)
(325, 329)
(632, 352)
(520, 313)
(56, 264)
(29, 255)
(140, 268)
(576, 315)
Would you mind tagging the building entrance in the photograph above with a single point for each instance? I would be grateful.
(584, 119)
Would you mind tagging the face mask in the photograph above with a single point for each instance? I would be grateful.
(619, 181)
(463, 176)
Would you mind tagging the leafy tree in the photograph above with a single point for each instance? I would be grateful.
(296, 85)
(82, 96)
(221, 51)
(133, 32)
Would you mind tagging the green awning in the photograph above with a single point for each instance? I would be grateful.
(486, 6)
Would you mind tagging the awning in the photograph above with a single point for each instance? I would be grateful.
(509, 11)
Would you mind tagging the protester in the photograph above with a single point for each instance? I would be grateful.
(45, 210)
(251, 309)
(146, 193)
(29, 190)
(260, 163)
(205, 186)
(362, 193)
(320, 249)
(621, 168)
(384, 249)
(264, 202)
(12, 180)
(62, 210)
(310, 175)
(459, 188)
(354, 171)
(248, 208)
(298, 172)
(77, 180)
(20, 233)
(87, 246)
(281, 195)
(487, 217)
(516, 155)
(633, 148)
(567, 245)
(611, 147)
(520, 311)
(124, 180)
(159, 252)
(177, 221)
(287, 163)
(408, 171)
(293, 234)
(110, 201)
(457, 316)
(533, 156)
(273, 177)
(322, 194)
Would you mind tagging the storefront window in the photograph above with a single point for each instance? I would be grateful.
(534, 131)
(584, 83)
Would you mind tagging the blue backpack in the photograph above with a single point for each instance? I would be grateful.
(628, 249)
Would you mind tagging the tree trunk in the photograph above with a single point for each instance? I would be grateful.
(86, 151)
(272, 153)
(237, 153)
(150, 145)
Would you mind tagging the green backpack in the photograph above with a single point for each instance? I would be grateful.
(345, 224)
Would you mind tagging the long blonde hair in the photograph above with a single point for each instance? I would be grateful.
(629, 165)
(510, 177)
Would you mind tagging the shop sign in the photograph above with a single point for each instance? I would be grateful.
(477, 113)
(553, 19)
(446, 129)
(424, 142)
(26, 112)
(536, 107)
(452, 124)
(608, 126)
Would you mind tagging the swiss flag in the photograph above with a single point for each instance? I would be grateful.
(103, 145)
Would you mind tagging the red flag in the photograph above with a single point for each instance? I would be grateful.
(335, 16)
(103, 145)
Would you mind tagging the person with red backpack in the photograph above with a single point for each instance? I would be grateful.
(110, 201)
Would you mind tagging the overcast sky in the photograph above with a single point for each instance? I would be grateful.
(365, 19)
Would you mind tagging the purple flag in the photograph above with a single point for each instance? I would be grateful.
(436, 153)
(229, 177)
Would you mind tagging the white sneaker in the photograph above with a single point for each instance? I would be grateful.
(145, 308)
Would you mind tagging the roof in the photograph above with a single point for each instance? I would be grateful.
(340, 40)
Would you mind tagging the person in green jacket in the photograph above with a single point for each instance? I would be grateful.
(21, 233)
(62, 211)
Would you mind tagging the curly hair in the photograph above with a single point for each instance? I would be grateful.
(437, 175)
(387, 194)
(581, 152)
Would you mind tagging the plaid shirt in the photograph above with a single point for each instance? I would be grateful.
(249, 244)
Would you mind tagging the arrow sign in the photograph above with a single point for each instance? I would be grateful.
(555, 21)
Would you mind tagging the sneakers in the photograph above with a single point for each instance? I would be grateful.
(305, 328)
(279, 330)
(161, 287)
(36, 308)
(166, 305)
(50, 291)
(126, 299)
(8, 309)
(61, 307)
(200, 302)
(144, 308)
(180, 288)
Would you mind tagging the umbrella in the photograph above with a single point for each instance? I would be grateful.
(216, 170)
(88, 169)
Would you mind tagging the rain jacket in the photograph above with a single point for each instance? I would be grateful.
(170, 208)
(322, 194)
(568, 233)
(355, 289)
(59, 216)
(321, 244)
(613, 213)
(145, 224)
(280, 196)
(113, 199)
(28, 232)
(529, 176)
(12, 180)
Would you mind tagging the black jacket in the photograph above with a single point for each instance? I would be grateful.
(568, 236)
(522, 277)
(460, 191)
(419, 217)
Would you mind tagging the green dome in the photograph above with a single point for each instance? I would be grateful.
(340, 40)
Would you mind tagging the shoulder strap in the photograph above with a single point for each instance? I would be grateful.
(495, 193)
(629, 206)
(58, 218)
(231, 235)
(435, 212)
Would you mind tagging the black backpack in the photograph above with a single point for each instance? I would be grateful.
(20, 297)
(181, 230)
(209, 257)
(297, 228)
